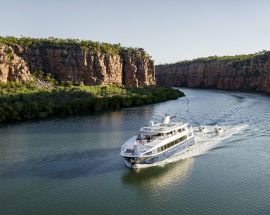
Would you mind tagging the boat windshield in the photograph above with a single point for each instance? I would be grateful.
(147, 136)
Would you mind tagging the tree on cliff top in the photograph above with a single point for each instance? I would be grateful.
(102, 47)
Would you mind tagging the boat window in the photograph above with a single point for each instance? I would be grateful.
(129, 150)
(168, 145)
(183, 138)
(158, 135)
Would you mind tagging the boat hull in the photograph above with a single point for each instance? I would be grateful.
(135, 162)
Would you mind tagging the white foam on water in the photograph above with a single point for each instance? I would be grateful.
(205, 141)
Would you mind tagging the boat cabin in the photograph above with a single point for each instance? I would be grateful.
(159, 131)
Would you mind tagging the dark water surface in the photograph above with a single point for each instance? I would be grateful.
(73, 166)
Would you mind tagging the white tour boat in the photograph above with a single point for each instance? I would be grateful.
(157, 142)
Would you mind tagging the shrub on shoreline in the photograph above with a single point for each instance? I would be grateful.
(21, 102)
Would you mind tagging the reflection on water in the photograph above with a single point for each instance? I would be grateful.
(159, 176)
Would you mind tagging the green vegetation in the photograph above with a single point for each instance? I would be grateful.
(20, 102)
(58, 42)
(223, 58)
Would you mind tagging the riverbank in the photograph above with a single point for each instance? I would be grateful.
(28, 101)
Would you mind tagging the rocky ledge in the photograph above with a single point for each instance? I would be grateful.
(70, 60)
(242, 72)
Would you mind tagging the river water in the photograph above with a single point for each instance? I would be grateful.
(73, 166)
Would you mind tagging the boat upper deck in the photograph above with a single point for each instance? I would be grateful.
(163, 128)
(153, 135)
(149, 140)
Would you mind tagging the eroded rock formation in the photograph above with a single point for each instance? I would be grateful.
(12, 67)
(252, 73)
(129, 67)
(138, 68)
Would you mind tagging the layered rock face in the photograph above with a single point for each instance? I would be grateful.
(248, 74)
(12, 67)
(140, 67)
(129, 67)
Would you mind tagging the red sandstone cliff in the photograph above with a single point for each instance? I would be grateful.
(69, 62)
(252, 73)
(12, 67)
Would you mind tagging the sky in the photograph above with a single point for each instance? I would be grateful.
(169, 30)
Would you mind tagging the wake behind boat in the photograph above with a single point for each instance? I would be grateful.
(157, 142)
